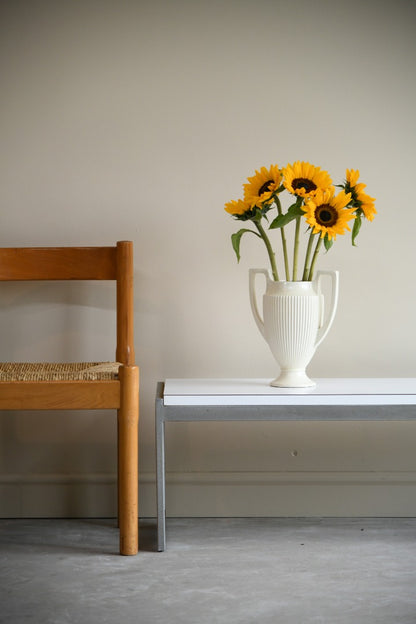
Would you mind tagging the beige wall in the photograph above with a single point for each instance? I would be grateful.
(139, 120)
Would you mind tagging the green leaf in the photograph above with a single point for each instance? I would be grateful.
(328, 242)
(293, 212)
(356, 228)
(280, 221)
(236, 239)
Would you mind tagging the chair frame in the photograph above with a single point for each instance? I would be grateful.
(89, 263)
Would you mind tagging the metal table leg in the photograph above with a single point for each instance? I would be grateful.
(160, 469)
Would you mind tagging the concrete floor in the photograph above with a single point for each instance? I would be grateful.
(215, 571)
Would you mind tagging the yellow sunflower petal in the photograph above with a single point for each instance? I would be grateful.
(341, 200)
(352, 176)
(237, 207)
(367, 205)
(359, 187)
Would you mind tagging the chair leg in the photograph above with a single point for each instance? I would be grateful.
(118, 471)
(128, 420)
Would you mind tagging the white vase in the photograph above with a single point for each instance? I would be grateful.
(293, 322)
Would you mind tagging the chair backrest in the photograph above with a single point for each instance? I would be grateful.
(81, 263)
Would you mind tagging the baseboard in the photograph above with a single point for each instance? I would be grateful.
(216, 494)
(58, 496)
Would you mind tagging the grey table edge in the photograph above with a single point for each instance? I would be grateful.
(199, 413)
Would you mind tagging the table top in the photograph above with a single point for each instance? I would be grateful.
(328, 391)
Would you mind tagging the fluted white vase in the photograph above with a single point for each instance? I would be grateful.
(293, 322)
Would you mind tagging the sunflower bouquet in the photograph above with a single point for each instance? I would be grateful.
(314, 201)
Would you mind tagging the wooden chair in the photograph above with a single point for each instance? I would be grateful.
(90, 385)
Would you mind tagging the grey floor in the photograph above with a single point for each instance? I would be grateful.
(215, 571)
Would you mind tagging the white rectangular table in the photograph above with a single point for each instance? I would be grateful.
(186, 400)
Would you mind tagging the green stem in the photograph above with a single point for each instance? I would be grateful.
(284, 244)
(296, 250)
(308, 257)
(269, 249)
(314, 259)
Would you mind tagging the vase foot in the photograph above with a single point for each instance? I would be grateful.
(293, 379)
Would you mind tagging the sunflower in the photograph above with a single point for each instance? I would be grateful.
(360, 200)
(239, 208)
(261, 187)
(326, 213)
(304, 179)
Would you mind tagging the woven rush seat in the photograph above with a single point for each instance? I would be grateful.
(47, 371)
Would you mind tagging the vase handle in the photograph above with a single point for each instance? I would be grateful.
(253, 299)
(325, 327)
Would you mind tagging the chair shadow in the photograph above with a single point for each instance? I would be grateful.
(72, 535)
(147, 531)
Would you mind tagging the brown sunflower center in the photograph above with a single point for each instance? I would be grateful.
(326, 215)
(305, 183)
(265, 187)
